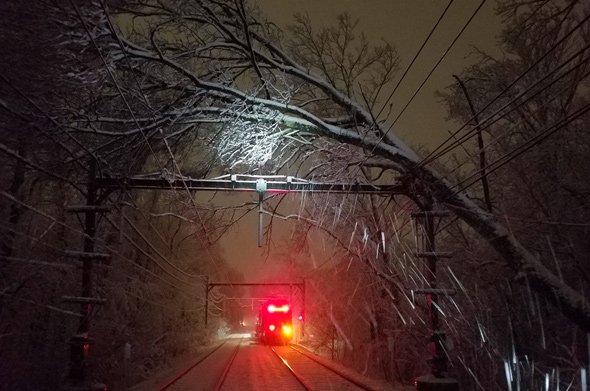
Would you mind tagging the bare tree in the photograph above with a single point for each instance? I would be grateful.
(230, 69)
(536, 146)
(211, 83)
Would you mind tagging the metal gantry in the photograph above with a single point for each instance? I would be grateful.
(298, 285)
(266, 183)
(261, 184)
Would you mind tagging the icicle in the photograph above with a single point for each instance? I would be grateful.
(365, 237)
(419, 317)
(339, 212)
(301, 205)
(408, 299)
(508, 373)
(543, 341)
(438, 308)
(481, 332)
(352, 235)
(531, 302)
(394, 227)
(400, 315)
(349, 263)
(454, 302)
(402, 261)
(456, 279)
(383, 240)
(554, 258)
(512, 339)
(546, 381)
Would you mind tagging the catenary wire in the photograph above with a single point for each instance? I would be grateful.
(409, 67)
(433, 154)
(538, 138)
(494, 117)
(436, 66)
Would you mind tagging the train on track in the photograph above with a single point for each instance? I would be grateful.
(274, 325)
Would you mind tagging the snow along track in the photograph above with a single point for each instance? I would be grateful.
(313, 374)
(215, 361)
(223, 376)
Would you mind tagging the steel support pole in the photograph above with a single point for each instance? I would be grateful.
(80, 342)
(438, 379)
(438, 364)
(206, 300)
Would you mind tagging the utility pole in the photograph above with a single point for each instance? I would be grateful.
(482, 153)
(81, 341)
(438, 379)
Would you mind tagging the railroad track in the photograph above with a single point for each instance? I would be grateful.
(233, 365)
(228, 366)
(313, 374)
(186, 379)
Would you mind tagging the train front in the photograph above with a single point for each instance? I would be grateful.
(275, 323)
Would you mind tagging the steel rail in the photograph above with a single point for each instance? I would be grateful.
(334, 370)
(223, 376)
(299, 378)
(190, 368)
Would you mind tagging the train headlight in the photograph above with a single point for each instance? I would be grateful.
(272, 327)
(287, 330)
(273, 308)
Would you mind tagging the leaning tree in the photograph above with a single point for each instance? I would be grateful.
(217, 74)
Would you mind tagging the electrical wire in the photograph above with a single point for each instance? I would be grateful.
(436, 64)
(433, 154)
(414, 58)
(98, 241)
(542, 106)
(495, 116)
(538, 138)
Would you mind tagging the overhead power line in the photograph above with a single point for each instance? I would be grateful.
(448, 49)
(507, 158)
(415, 57)
(434, 154)
(499, 114)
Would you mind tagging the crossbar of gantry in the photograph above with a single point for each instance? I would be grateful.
(272, 184)
(211, 285)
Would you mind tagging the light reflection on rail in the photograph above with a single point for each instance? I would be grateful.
(311, 357)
